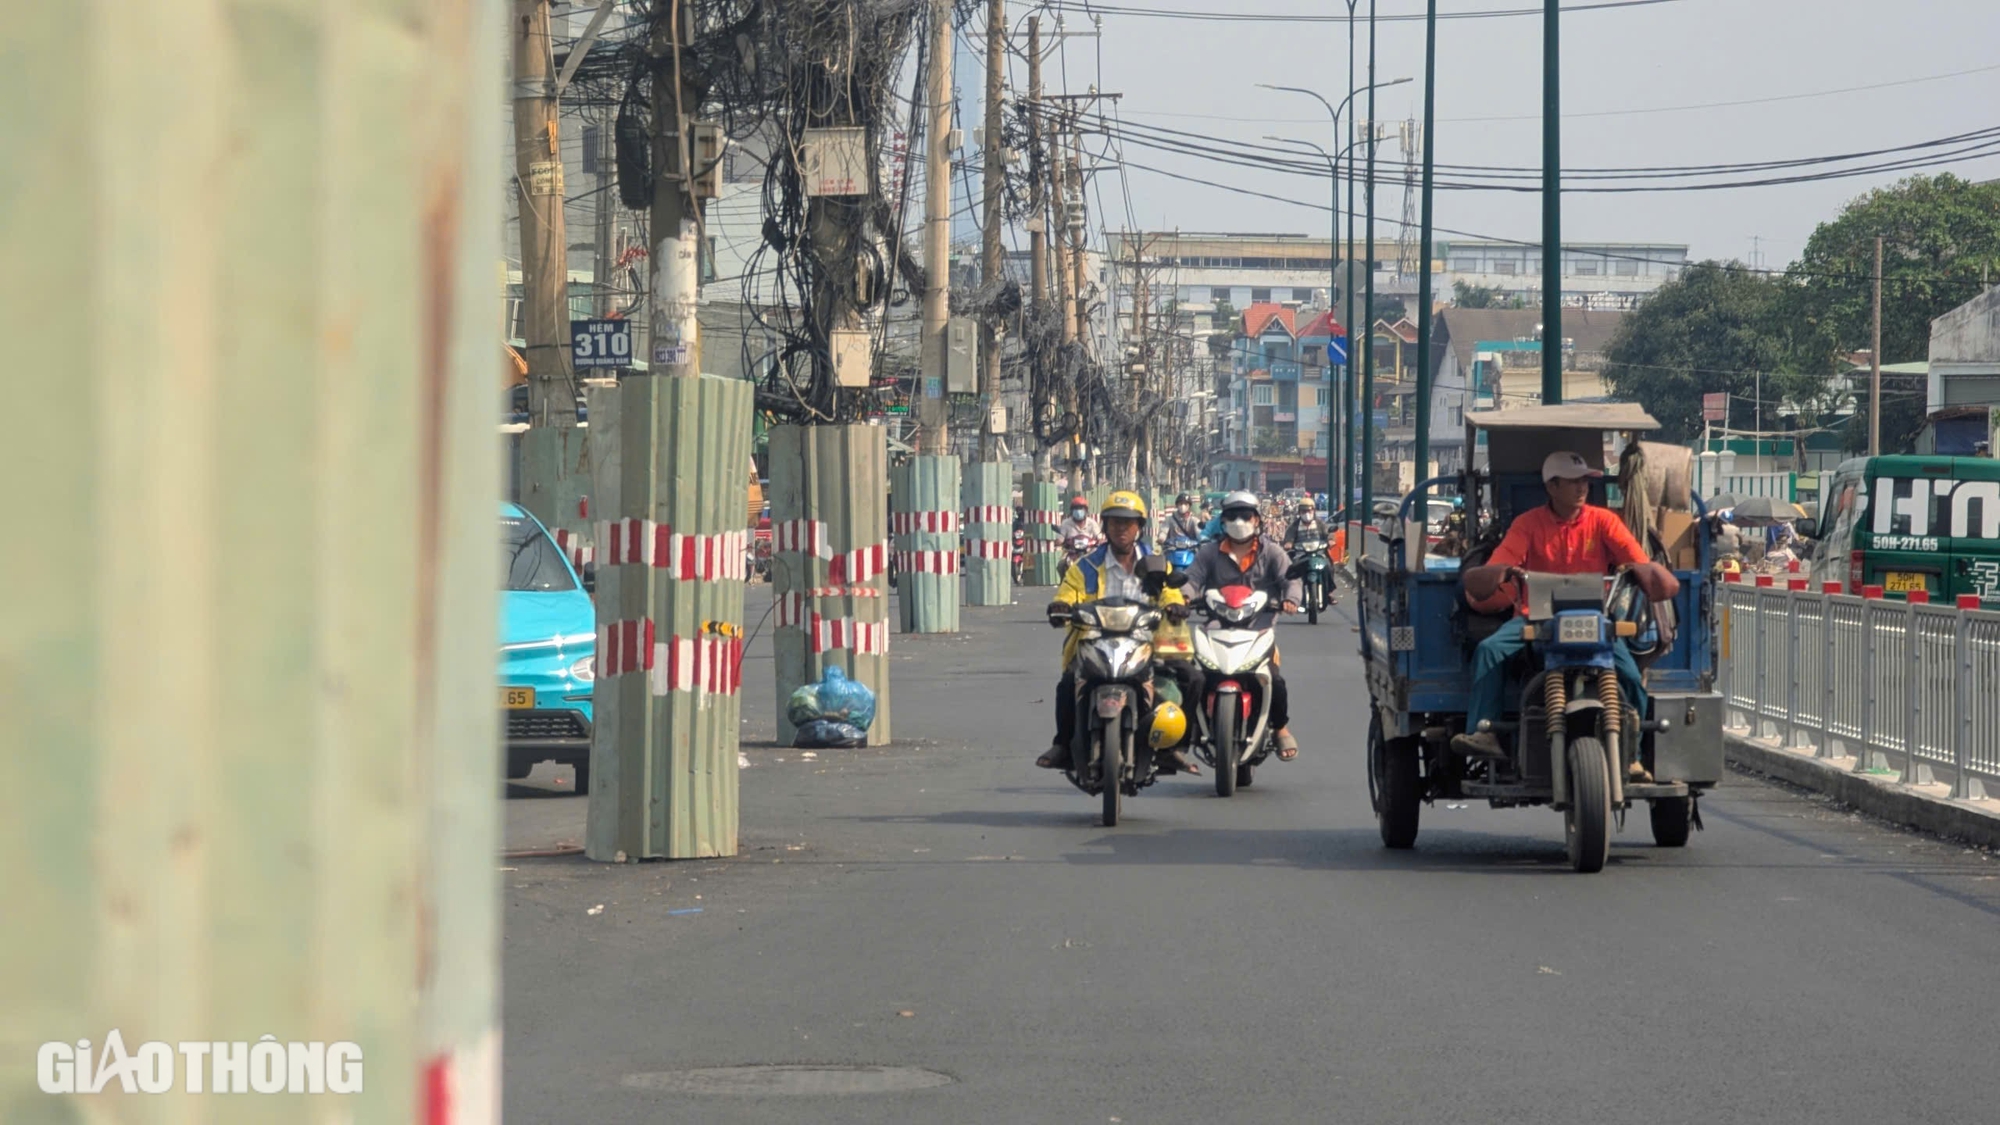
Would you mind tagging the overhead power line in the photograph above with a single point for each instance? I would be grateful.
(1083, 6)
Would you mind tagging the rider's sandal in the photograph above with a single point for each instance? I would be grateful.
(1288, 747)
(1053, 758)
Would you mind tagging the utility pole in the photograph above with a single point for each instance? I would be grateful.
(554, 469)
(1552, 334)
(1875, 362)
(1423, 436)
(603, 193)
(1078, 305)
(995, 178)
(932, 407)
(1038, 227)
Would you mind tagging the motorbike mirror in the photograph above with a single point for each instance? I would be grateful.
(1177, 579)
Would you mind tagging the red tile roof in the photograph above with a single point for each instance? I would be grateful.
(1258, 317)
(1323, 325)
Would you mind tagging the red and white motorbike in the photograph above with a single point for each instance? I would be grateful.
(1234, 649)
(1074, 548)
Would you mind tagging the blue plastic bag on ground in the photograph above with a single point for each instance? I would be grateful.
(821, 734)
(834, 699)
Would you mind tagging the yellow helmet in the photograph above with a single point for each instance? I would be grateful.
(1169, 726)
(1123, 505)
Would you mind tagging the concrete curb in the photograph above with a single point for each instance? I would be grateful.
(1974, 822)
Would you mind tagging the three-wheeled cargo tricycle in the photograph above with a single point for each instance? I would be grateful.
(1570, 734)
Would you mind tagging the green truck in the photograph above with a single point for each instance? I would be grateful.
(1908, 523)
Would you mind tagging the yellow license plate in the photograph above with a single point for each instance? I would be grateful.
(1902, 582)
(517, 698)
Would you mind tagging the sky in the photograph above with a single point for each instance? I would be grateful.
(1201, 77)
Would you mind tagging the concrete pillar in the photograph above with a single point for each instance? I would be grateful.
(925, 496)
(1045, 502)
(829, 562)
(249, 652)
(670, 644)
(988, 507)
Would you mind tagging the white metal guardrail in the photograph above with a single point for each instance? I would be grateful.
(1898, 687)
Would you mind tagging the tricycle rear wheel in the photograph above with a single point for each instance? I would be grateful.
(1399, 805)
(1673, 820)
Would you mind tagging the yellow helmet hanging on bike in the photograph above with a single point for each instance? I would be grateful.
(1169, 727)
(1123, 505)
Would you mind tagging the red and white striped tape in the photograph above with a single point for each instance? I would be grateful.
(863, 638)
(934, 523)
(808, 536)
(858, 565)
(708, 558)
(577, 547)
(990, 548)
(704, 665)
(870, 638)
(988, 513)
(927, 562)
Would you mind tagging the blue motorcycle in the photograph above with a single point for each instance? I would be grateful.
(1314, 570)
(1180, 552)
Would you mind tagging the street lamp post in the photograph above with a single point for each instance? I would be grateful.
(1333, 252)
(1367, 473)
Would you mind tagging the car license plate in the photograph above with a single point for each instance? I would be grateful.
(517, 698)
(1902, 582)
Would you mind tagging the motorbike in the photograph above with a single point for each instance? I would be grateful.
(1180, 551)
(1111, 759)
(1074, 548)
(1020, 554)
(1314, 570)
(1234, 649)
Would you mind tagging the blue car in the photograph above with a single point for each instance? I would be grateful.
(548, 650)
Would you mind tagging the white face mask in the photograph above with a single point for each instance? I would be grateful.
(1077, 514)
(1239, 529)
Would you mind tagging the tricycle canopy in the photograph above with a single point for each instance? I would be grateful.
(1520, 437)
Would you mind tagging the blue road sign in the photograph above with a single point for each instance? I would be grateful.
(1336, 351)
(600, 343)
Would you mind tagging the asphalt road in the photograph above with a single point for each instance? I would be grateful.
(942, 905)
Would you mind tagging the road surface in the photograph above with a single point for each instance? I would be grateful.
(942, 909)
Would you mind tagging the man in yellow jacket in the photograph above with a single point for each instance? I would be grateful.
(1112, 570)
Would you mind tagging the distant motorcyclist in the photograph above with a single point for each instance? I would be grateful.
(1306, 525)
(1183, 524)
(1080, 522)
(1244, 557)
(1112, 570)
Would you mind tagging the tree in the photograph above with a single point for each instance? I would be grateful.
(1940, 241)
(1475, 296)
(1710, 330)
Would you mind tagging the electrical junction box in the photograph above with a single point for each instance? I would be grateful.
(835, 161)
(706, 179)
(998, 420)
(961, 368)
(853, 357)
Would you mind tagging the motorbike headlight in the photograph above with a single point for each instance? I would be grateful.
(1117, 618)
(584, 671)
(1085, 615)
(1579, 629)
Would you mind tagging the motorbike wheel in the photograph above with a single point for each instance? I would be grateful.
(1399, 804)
(1109, 767)
(1312, 605)
(1587, 821)
(1673, 819)
(1226, 765)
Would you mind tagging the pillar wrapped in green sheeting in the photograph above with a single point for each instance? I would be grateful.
(924, 496)
(830, 562)
(1045, 502)
(670, 647)
(988, 510)
(249, 650)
